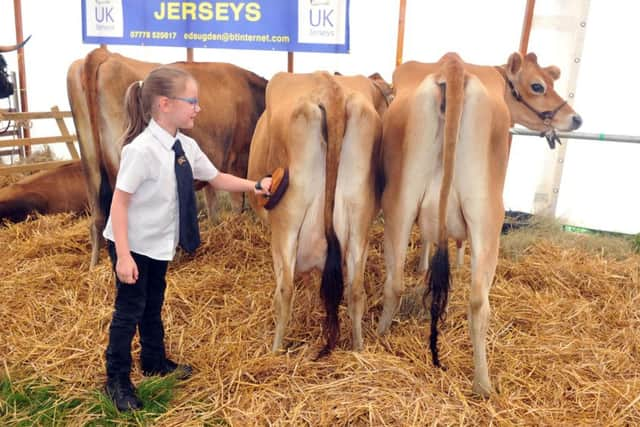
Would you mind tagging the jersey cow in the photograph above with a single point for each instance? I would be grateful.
(445, 151)
(50, 191)
(324, 130)
(231, 99)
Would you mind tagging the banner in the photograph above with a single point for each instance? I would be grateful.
(287, 25)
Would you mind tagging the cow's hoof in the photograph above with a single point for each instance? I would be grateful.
(483, 391)
(383, 326)
(358, 345)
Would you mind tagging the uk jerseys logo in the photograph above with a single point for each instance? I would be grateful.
(322, 21)
(103, 18)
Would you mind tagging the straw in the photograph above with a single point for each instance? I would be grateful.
(563, 342)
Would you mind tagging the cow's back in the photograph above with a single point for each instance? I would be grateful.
(300, 112)
(231, 101)
(114, 76)
(287, 96)
(368, 89)
(82, 122)
(408, 77)
(62, 189)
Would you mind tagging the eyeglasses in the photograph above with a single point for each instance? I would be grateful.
(192, 101)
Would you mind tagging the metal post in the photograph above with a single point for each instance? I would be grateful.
(526, 27)
(24, 104)
(19, 130)
(290, 62)
(524, 39)
(400, 38)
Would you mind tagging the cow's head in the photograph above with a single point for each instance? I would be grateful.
(6, 87)
(532, 100)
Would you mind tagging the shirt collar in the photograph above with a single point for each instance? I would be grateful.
(165, 138)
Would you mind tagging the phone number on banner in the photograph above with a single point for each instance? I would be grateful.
(162, 35)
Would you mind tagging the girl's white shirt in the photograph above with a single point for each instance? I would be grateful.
(147, 173)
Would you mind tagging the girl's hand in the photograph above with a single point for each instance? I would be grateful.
(263, 186)
(127, 270)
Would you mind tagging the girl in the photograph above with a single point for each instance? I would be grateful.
(152, 211)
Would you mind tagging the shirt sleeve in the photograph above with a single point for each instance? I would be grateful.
(201, 166)
(133, 169)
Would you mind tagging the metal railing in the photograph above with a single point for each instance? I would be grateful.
(581, 135)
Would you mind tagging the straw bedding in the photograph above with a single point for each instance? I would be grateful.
(563, 342)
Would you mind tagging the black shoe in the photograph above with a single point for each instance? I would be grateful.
(168, 366)
(123, 393)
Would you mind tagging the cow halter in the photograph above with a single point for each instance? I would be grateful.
(546, 116)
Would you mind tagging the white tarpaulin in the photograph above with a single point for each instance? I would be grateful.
(598, 179)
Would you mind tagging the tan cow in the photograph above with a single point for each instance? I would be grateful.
(445, 152)
(231, 99)
(57, 190)
(324, 129)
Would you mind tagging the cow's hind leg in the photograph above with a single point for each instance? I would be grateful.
(237, 202)
(96, 243)
(355, 209)
(211, 204)
(425, 249)
(283, 250)
(396, 239)
(423, 265)
(459, 253)
(484, 257)
(356, 294)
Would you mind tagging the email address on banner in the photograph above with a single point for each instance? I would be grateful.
(236, 37)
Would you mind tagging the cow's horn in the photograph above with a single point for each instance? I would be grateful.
(4, 49)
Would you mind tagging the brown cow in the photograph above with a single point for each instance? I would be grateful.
(231, 99)
(324, 130)
(61, 189)
(445, 152)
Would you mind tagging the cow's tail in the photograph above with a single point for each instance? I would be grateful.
(438, 277)
(332, 286)
(380, 179)
(105, 193)
(91, 66)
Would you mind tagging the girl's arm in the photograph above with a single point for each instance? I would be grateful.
(126, 267)
(232, 183)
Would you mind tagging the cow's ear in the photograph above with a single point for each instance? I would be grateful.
(532, 57)
(553, 71)
(514, 64)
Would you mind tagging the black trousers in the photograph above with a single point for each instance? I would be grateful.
(138, 305)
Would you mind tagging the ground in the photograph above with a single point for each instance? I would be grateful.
(563, 343)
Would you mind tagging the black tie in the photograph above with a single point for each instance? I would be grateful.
(189, 231)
